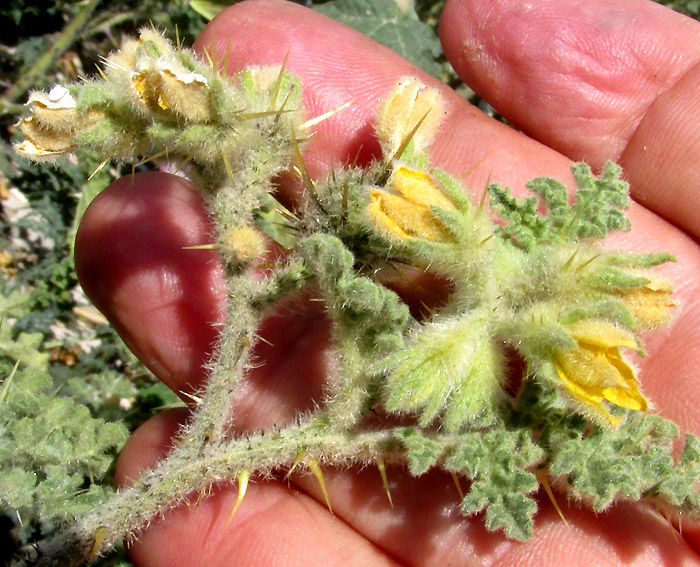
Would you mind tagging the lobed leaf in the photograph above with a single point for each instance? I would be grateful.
(499, 463)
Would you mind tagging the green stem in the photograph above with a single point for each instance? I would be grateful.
(176, 479)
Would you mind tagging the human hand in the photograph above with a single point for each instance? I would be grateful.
(594, 81)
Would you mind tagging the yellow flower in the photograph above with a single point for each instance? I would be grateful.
(594, 371)
(409, 215)
(650, 303)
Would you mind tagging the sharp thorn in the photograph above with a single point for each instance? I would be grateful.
(227, 166)
(98, 169)
(263, 339)
(195, 399)
(542, 477)
(382, 472)
(278, 82)
(100, 535)
(404, 144)
(455, 479)
(242, 479)
(325, 116)
(315, 469)
(201, 247)
(297, 460)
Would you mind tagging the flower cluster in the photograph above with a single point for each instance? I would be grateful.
(547, 302)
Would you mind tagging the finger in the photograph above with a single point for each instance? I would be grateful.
(167, 302)
(163, 300)
(596, 81)
(275, 525)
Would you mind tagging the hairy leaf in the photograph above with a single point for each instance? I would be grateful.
(422, 451)
(610, 464)
(595, 212)
(499, 463)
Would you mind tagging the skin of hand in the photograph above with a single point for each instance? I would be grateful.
(584, 80)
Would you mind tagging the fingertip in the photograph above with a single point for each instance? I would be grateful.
(132, 262)
(147, 445)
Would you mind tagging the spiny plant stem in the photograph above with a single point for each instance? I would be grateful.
(215, 410)
(177, 478)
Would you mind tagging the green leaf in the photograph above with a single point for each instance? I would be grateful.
(366, 312)
(525, 227)
(385, 22)
(498, 462)
(17, 487)
(607, 464)
(597, 208)
(598, 203)
(422, 452)
(209, 8)
(679, 487)
(26, 347)
(51, 450)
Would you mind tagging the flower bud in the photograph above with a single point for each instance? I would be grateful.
(241, 244)
(409, 103)
(410, 215)
(649, 304)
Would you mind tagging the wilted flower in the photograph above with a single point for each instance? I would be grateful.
(53, 123)
(168, 86)
(594, 371)
(56, 108)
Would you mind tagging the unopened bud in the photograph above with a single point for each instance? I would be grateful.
(409, 103)
(241, 244)
(649, 304)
